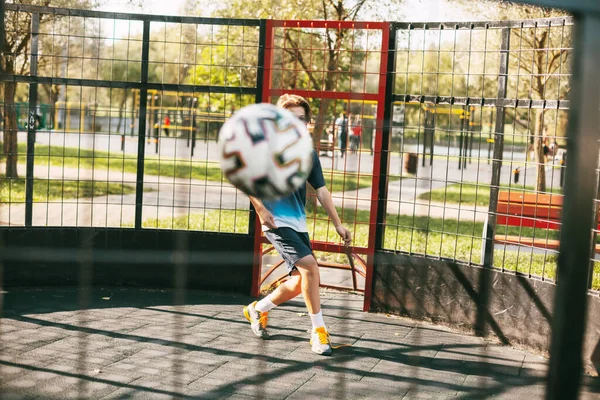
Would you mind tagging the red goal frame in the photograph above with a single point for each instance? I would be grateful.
(268, 92)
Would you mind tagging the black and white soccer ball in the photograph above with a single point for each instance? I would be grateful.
(265, 151)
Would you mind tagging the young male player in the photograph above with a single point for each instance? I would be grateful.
(284, 224)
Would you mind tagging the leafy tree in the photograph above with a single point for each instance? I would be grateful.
(316, 59)
(122, 69)
(430, 69)
(539, 59)
(228, 64)
(548, 60)
(15, 60)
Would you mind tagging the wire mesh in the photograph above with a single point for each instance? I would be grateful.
(103, 112)
(447, 96)
(88, 121)
(445, 112)
(122, 134)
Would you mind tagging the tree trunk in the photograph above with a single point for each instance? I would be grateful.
(540, 159)
(311, 194)
(54, 96)
(320, 124)
(10, 125)
(121, 107)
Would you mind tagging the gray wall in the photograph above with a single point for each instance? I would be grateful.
(56, 262)
(519, 308)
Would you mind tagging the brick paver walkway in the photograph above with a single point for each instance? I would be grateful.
(137, 344)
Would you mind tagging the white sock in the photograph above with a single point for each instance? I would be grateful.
(265, 305)
(317, 320)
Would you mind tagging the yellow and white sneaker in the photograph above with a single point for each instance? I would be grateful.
(320, 342)
(258, 320)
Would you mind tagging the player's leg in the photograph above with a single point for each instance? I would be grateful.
(309, 271)
(288, 289)
(319, 338)
(258, 312)
(291, 246)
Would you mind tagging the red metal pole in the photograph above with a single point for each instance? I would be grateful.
(385, 35)
(269, 44)
(266, 98)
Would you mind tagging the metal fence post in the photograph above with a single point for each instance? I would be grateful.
(386, 136)
(489, 155)
(465, 130)
(488, 234)
(263, 85)
(377, 211)
(139, 187)
(31, 119)
(258, 98)
(2, 250)
(461, 141)
(568, 323)
(471, 134)
(2, 33)
(489, 229)
(133, 113)
(432, 136)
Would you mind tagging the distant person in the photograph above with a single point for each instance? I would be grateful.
(341, 132)
(355, 133)
(167, 124)
(330, 141)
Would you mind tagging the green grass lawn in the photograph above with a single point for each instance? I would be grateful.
(470, 193)
(44, 190)
(186, 169)
(421, 235)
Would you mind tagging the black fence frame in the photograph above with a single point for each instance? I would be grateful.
(33, 80)
(102, 245)
(501, 102)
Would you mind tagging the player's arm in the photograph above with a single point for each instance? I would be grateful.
(327, 202)
(266, 218)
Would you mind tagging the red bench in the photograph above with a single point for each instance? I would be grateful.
(541, 211)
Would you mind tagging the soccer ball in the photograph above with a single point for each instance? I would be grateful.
(265, 151)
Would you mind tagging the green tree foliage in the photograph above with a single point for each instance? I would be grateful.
(329, 59)
(539, 69)
(325, 59)
(230, 60)
(15, 60)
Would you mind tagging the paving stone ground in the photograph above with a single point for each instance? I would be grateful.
(141, 344)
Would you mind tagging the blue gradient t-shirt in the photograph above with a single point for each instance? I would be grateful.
(289, 211)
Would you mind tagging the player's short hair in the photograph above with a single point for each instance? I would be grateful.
(292, 100)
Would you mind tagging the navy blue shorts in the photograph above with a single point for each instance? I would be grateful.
(291, 245)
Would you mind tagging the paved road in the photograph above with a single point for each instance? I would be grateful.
(444, 168)
(137, 344)
(174, 197)
(170, 146)
(168, 197)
